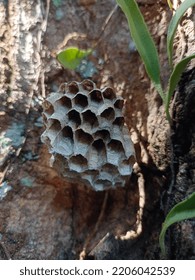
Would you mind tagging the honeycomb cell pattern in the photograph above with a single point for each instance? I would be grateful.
(87, 135)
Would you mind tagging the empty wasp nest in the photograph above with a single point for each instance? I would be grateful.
(87, 136)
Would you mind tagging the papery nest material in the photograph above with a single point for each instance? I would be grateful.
(87, 135)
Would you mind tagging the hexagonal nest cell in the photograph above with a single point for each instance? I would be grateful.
(87, 135)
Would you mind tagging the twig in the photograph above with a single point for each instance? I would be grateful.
(90, 236)
(101, 241)
(44, 23)
(173, 177)
(131, 234)
(43, 30)
(105, 25)
(7, 254)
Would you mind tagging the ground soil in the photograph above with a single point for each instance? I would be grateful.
(44, 217)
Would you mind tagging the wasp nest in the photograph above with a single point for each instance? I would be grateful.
(87, 136)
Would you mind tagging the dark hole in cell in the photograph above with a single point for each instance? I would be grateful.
(87, 85)
(119, 121)
(81, 100)
(116, 145)
(131, 160)
(99, 145)
(92, 172)
(110, 168)
(67, 132)
(125, 162)
(103, 184)
(73, 88)
(46, 140)
(44, 118)
(63, 87)
(65, 102)
(109, 93)
(119, 103)
(83, 137)
(90, 117)
(104, 134)
(126, 166)
(56, 126)
(48, 107)
(108, 114)
(60, 158)
(78, 160)
(96, 96)
(74, 116)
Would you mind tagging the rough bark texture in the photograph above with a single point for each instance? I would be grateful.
(44, 217)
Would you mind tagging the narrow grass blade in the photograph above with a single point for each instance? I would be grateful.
(181, 211)
(173, 26)
(175, 77)
(143, 41)
(71, 57)
(170, 4)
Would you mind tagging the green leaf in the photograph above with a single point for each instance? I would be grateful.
(175, 77)
(71, 57)
(143, 41)
(181, 211)
(174, 24)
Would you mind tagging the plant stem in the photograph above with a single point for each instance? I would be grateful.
(168, 114)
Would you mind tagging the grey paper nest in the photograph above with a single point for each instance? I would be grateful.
(87, 136)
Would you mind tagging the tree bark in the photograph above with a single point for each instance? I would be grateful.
(44, 217)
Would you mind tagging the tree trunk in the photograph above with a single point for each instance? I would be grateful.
(44, 217)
